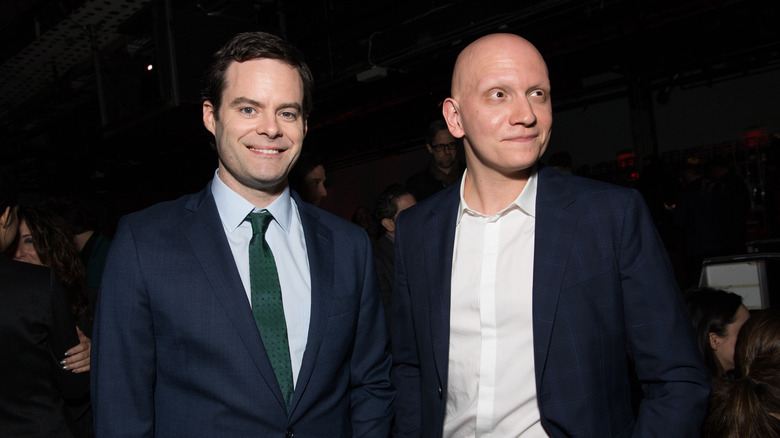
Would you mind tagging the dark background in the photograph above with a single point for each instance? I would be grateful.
(80, 113)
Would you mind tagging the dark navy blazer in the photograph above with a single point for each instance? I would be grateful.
(177, 353)
(603, 293)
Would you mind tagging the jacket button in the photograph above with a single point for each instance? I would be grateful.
(439, 391)
(290, 433)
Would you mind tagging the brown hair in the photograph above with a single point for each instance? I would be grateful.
(744, 408)
(53, 241)
(246, 47)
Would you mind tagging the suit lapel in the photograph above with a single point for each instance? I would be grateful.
(202, 227)
(320, 250)
(442, 216)
(553, 238)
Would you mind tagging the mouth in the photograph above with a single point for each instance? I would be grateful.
(523, 139)
(264, 150)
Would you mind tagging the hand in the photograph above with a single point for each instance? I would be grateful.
(77, 358)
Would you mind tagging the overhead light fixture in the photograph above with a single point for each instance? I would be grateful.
(373, 74)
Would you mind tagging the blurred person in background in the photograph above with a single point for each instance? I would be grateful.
(45, 239)
(717, 317)
(750, 406)
(38, 331)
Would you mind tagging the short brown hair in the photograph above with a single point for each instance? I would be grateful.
(246, 47)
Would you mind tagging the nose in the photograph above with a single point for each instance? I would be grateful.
(522, 113)
(268, 125)
(322, 191)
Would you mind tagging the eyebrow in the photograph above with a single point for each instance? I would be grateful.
(247, 101)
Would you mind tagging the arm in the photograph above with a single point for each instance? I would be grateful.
(674, 380)
(371, 395)
(406, 363)
(123, 356)
(77, 358)
(62, 336)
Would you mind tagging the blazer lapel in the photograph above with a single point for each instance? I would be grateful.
(554, 233)
(202, 227)
(442, 216)
(320, 250)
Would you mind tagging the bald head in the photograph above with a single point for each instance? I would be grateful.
(489, 52)
(500, 106)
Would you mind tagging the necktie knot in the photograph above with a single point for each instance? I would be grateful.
(260, 221)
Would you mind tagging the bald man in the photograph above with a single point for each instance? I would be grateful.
(522, 295)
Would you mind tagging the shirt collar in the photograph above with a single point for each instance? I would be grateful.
(525, 201)
(233, 208)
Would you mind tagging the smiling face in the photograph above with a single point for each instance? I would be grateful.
(500, 105)
(25, 249)
(259, 129)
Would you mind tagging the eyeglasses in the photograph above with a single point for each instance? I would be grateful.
(441, 147)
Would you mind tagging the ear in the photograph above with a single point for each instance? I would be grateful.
(388, 224)
(451, 111)
(430, 149)
(209, 121)
(305, 127)
(714, 341)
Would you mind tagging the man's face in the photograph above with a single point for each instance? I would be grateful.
(314, 186)
(501, 105)
(260, 128)
(443, 149)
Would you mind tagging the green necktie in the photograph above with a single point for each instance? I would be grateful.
(267, 303)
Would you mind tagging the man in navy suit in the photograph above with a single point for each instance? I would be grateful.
(177, 351)
(522, 295)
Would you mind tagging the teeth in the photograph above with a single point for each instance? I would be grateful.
(267, 151)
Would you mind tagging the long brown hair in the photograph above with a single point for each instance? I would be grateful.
(53, 241)
(744, 408)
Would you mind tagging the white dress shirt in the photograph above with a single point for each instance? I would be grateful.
(288, 244)
(491, 386)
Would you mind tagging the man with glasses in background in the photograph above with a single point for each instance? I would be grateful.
(444, 168)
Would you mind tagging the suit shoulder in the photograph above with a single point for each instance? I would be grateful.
(336, 223)
(165, 211)
(583, 186)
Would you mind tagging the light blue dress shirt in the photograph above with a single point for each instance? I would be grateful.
(286, 239)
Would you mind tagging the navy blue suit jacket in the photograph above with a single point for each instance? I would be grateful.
(603, 292)
(176, 351)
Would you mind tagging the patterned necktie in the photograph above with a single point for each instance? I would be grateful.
(267, 303)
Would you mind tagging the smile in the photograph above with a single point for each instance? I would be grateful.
(265, 151)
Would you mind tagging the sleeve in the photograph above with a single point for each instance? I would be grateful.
(62, 337)
(674, 380)
(405, 373)
(372, 395)
(123, 347)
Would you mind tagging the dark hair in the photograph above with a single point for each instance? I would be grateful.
(386, 206)
(744, 407)
(246, 47)
(307, 161)
(711, 311)
(75, 211)
(53, 241)
(8, 198)
(435, 126)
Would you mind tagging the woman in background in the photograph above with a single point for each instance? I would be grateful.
(46, 239)
(38, 330)
(750, 406)
(717, 317)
